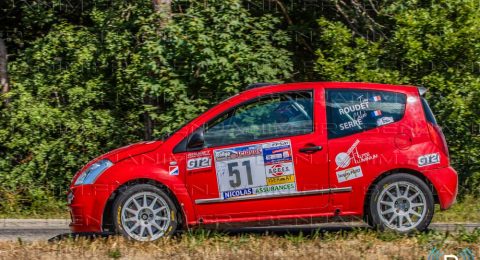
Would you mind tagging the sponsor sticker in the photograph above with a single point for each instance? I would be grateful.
(428, 159)
(283, 188)
(280, 180)
(238, 152)
(277, 153)
(173, 170)
(384, 120)
(349, 174)
(244, 170)
(237, 193)
(199, 160)
(279, 169)
(344, 159)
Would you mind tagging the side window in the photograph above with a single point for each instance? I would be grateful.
(353, 111)
(268, 117)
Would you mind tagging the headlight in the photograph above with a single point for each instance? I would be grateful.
(91, 174)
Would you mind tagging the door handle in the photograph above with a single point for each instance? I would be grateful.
(311, 149)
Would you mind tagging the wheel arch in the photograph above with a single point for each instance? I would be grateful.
(392, 172)
(107, 216)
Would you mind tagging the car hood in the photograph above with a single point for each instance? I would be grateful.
(131, 150)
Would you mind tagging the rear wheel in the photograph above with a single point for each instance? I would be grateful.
(401, 202)
(145, 213)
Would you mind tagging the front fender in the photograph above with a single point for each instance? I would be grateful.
(134, 169)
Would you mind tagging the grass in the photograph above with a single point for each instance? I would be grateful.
(466, 210)
(201, 244)
(60, 213)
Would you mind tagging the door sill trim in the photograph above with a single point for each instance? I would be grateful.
(261, 197)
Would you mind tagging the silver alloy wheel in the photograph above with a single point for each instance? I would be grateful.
(401, 206)
(145, 216)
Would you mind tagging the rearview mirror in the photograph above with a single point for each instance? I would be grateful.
(197, 140)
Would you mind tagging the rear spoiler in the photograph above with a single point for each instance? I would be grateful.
(422, 90)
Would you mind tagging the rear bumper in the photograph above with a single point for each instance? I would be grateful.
(86, 204)
(445, 181)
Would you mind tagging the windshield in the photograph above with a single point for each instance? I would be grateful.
(164, 137)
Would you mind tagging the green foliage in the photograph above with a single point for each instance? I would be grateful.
(466, 209)
(469, 237)
(434, 45)
(90, 83)
(57, 120)
(115, 253)
(210, 52)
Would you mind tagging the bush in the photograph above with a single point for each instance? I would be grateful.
(114, 76)
(433, 45)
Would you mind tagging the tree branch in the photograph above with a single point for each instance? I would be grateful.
(361, 17)
(351, 22)
(164, 8)
(284, 11)
(4, 70)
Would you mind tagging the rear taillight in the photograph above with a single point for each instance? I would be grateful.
(438, 137)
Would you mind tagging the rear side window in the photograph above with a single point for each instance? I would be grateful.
(428, 112)
(353, 111)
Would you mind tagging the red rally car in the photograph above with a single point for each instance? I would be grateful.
(272, 153)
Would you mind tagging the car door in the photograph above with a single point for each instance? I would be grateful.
(362, 139)
(263, 157)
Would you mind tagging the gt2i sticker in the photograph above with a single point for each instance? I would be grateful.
(428, 159)
(199, 160)
(349, 174)
(344, 159)
(255, 169)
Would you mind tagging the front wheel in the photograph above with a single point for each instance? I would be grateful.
(144, 213)
(401, 202)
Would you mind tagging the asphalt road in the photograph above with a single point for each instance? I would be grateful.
(43, 230)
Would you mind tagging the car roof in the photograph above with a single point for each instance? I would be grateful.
(345, 85)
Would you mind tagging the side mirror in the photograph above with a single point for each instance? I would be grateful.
(197, 140)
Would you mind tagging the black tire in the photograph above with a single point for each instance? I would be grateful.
(126, 195)
(401, 205)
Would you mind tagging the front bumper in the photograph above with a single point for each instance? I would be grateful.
(445, 181)
(87, 203)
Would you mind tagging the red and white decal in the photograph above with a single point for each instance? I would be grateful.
(344, 159)
(173, 170)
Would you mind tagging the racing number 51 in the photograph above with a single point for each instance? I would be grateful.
(233, 171)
